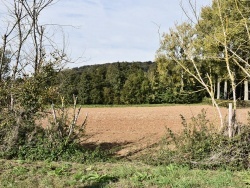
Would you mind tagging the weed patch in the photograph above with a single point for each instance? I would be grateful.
(201, 145)
(59, 141)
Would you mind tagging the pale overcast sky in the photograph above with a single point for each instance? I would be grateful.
(115, 30)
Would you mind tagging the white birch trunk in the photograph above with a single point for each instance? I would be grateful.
(225, 89)
(218, 88)
(182, 81)
(230, 123)
(246, 97)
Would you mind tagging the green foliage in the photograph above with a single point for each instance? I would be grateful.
(197, 55)
(187, 97)
(60, 141)
(135, 89)
(115, 83)
(18, 119)
(125, 83)
(200, 145)
(72, 153)
(21, 135)
(35, 143)
(98, 179)
(67, 81)
(19, 170)
(233, 153)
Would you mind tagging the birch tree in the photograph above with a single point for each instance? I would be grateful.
(184, 37)
(220, 43)
(173, 45)
(225, 29)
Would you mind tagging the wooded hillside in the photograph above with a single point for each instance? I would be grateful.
(120, 83)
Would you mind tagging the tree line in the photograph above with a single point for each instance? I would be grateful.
(119, 83)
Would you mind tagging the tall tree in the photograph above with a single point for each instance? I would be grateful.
(180, 47)
(218, 47)
(135, 89)
(173, 56)
(115, 79)
(223, 32)
(84, 87)
(224, 28)
(25, 38)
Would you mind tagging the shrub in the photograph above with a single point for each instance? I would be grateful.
(201, 145)
(23, 138)
(187, 97)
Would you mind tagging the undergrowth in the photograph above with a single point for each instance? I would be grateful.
(201, 145)
(41, 147)
(22, 137)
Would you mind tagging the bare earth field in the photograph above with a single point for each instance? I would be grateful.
(134, 129)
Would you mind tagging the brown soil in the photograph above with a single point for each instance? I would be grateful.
(134, 129)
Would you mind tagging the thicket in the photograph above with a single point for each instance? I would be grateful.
(200, 145)
(22, 136)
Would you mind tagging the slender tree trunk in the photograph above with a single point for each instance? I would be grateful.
(218, 88)
(246, 97)
(35, 37)
(230, 120)
(17, 63)
(2, 56)
(214, 89)
(225, 90)
(182, 80)
(234, 93)
(227, 57)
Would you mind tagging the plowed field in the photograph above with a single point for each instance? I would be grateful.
(134, 129)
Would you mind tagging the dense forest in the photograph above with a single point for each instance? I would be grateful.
(122, 83)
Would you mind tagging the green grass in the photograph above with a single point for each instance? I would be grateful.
(118, 174)
(138, 105)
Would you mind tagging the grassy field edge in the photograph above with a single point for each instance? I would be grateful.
(16, 173)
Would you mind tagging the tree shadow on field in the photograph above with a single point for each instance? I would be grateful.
(125, 149)
(112, 147)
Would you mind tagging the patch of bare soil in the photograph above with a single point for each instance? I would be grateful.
(137, 128)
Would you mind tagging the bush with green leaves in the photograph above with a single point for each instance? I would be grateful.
(201, 145)
(21, 135)
(187, 97)
(58, 142)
